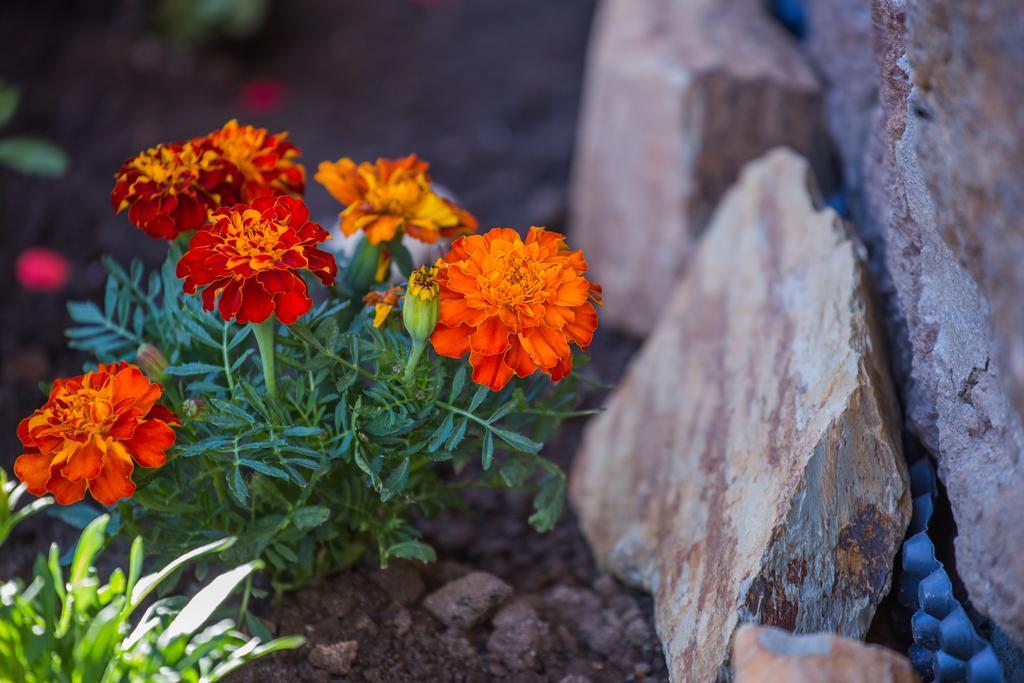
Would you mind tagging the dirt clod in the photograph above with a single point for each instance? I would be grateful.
(466, 602)
(336, 658)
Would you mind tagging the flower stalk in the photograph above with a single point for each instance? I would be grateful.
(264, 333)
(420, 312)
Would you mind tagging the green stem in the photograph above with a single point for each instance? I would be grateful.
(265, 341)
(227, 361)
(414, 358)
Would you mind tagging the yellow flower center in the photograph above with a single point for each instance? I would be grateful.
(82, 411)
(397, 198)
(239, 145)
(423, 283)
(517, 281)
(255, 240)
(173, 169)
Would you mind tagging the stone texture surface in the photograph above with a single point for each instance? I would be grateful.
(465, 602)
(763, 654)
(943, 215)
(839, 44)
(748, 467)
(336, 658)
(679, 94)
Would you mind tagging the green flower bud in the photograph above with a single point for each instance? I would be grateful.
(419, 312)
(422, 304)
(152, 361)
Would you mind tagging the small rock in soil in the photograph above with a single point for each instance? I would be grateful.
(764, 654)
(519, 633)
(468, 601)
(336, 658)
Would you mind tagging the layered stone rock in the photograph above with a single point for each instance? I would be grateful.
(944, 216)
(679, 94)
(748, 468)
(763, 654)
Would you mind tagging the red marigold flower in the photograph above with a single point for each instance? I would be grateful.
(514, 305)
(250, 256)
(390, 197)
(265, 162)
(92, 432)
(168, 189)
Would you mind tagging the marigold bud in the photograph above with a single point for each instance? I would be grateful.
(152, 361)
(422, 304)
(193, 408)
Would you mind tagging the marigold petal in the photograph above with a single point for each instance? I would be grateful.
(545, 345)
(490, 371)
(451, 341)
(292, 304)
(64, 491)
(456, 311)
(114, 481)
(33, 468)
(150, 442)
(256, 306)
(85, 461)
(518, 359)
(490, 337)
(562, 369)
(581, 328)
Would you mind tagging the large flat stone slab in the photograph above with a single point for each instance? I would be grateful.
(748, 468)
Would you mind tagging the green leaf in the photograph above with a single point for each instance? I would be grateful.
(516, 470)
(396, 480)
(33, 156)
(310, 517)
(518, 441)
(202, 606)
(187, 369)
(147, 583)
(442, 433)
(10, 95)
(263, 468)
(478, 397)
(89, 544)
(458, 381)
(301, 431)
(412, 550)
(487, 455)
(548, 503)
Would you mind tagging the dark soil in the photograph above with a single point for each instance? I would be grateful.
(484, 89)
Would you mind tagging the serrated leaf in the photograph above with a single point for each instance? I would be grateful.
(478, 397)
(310, 517)
(188, 369)
(237, 486)
(457, 434)
(458, 382)
(515, 471)
(518, 441)
(396, 480)
(301, 431)
(487, 454)
(263, 468)
(442, 433)
(548, 503)
(85, 312)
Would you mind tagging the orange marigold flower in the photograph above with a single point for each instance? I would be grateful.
(265, 162)
(514, 305)
(92, 432)
(168, 189)
(390, 197)
(250, 256)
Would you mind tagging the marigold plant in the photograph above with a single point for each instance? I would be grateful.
(314, 426)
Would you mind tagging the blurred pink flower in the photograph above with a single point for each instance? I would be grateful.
(39, 269)
(262, 95)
